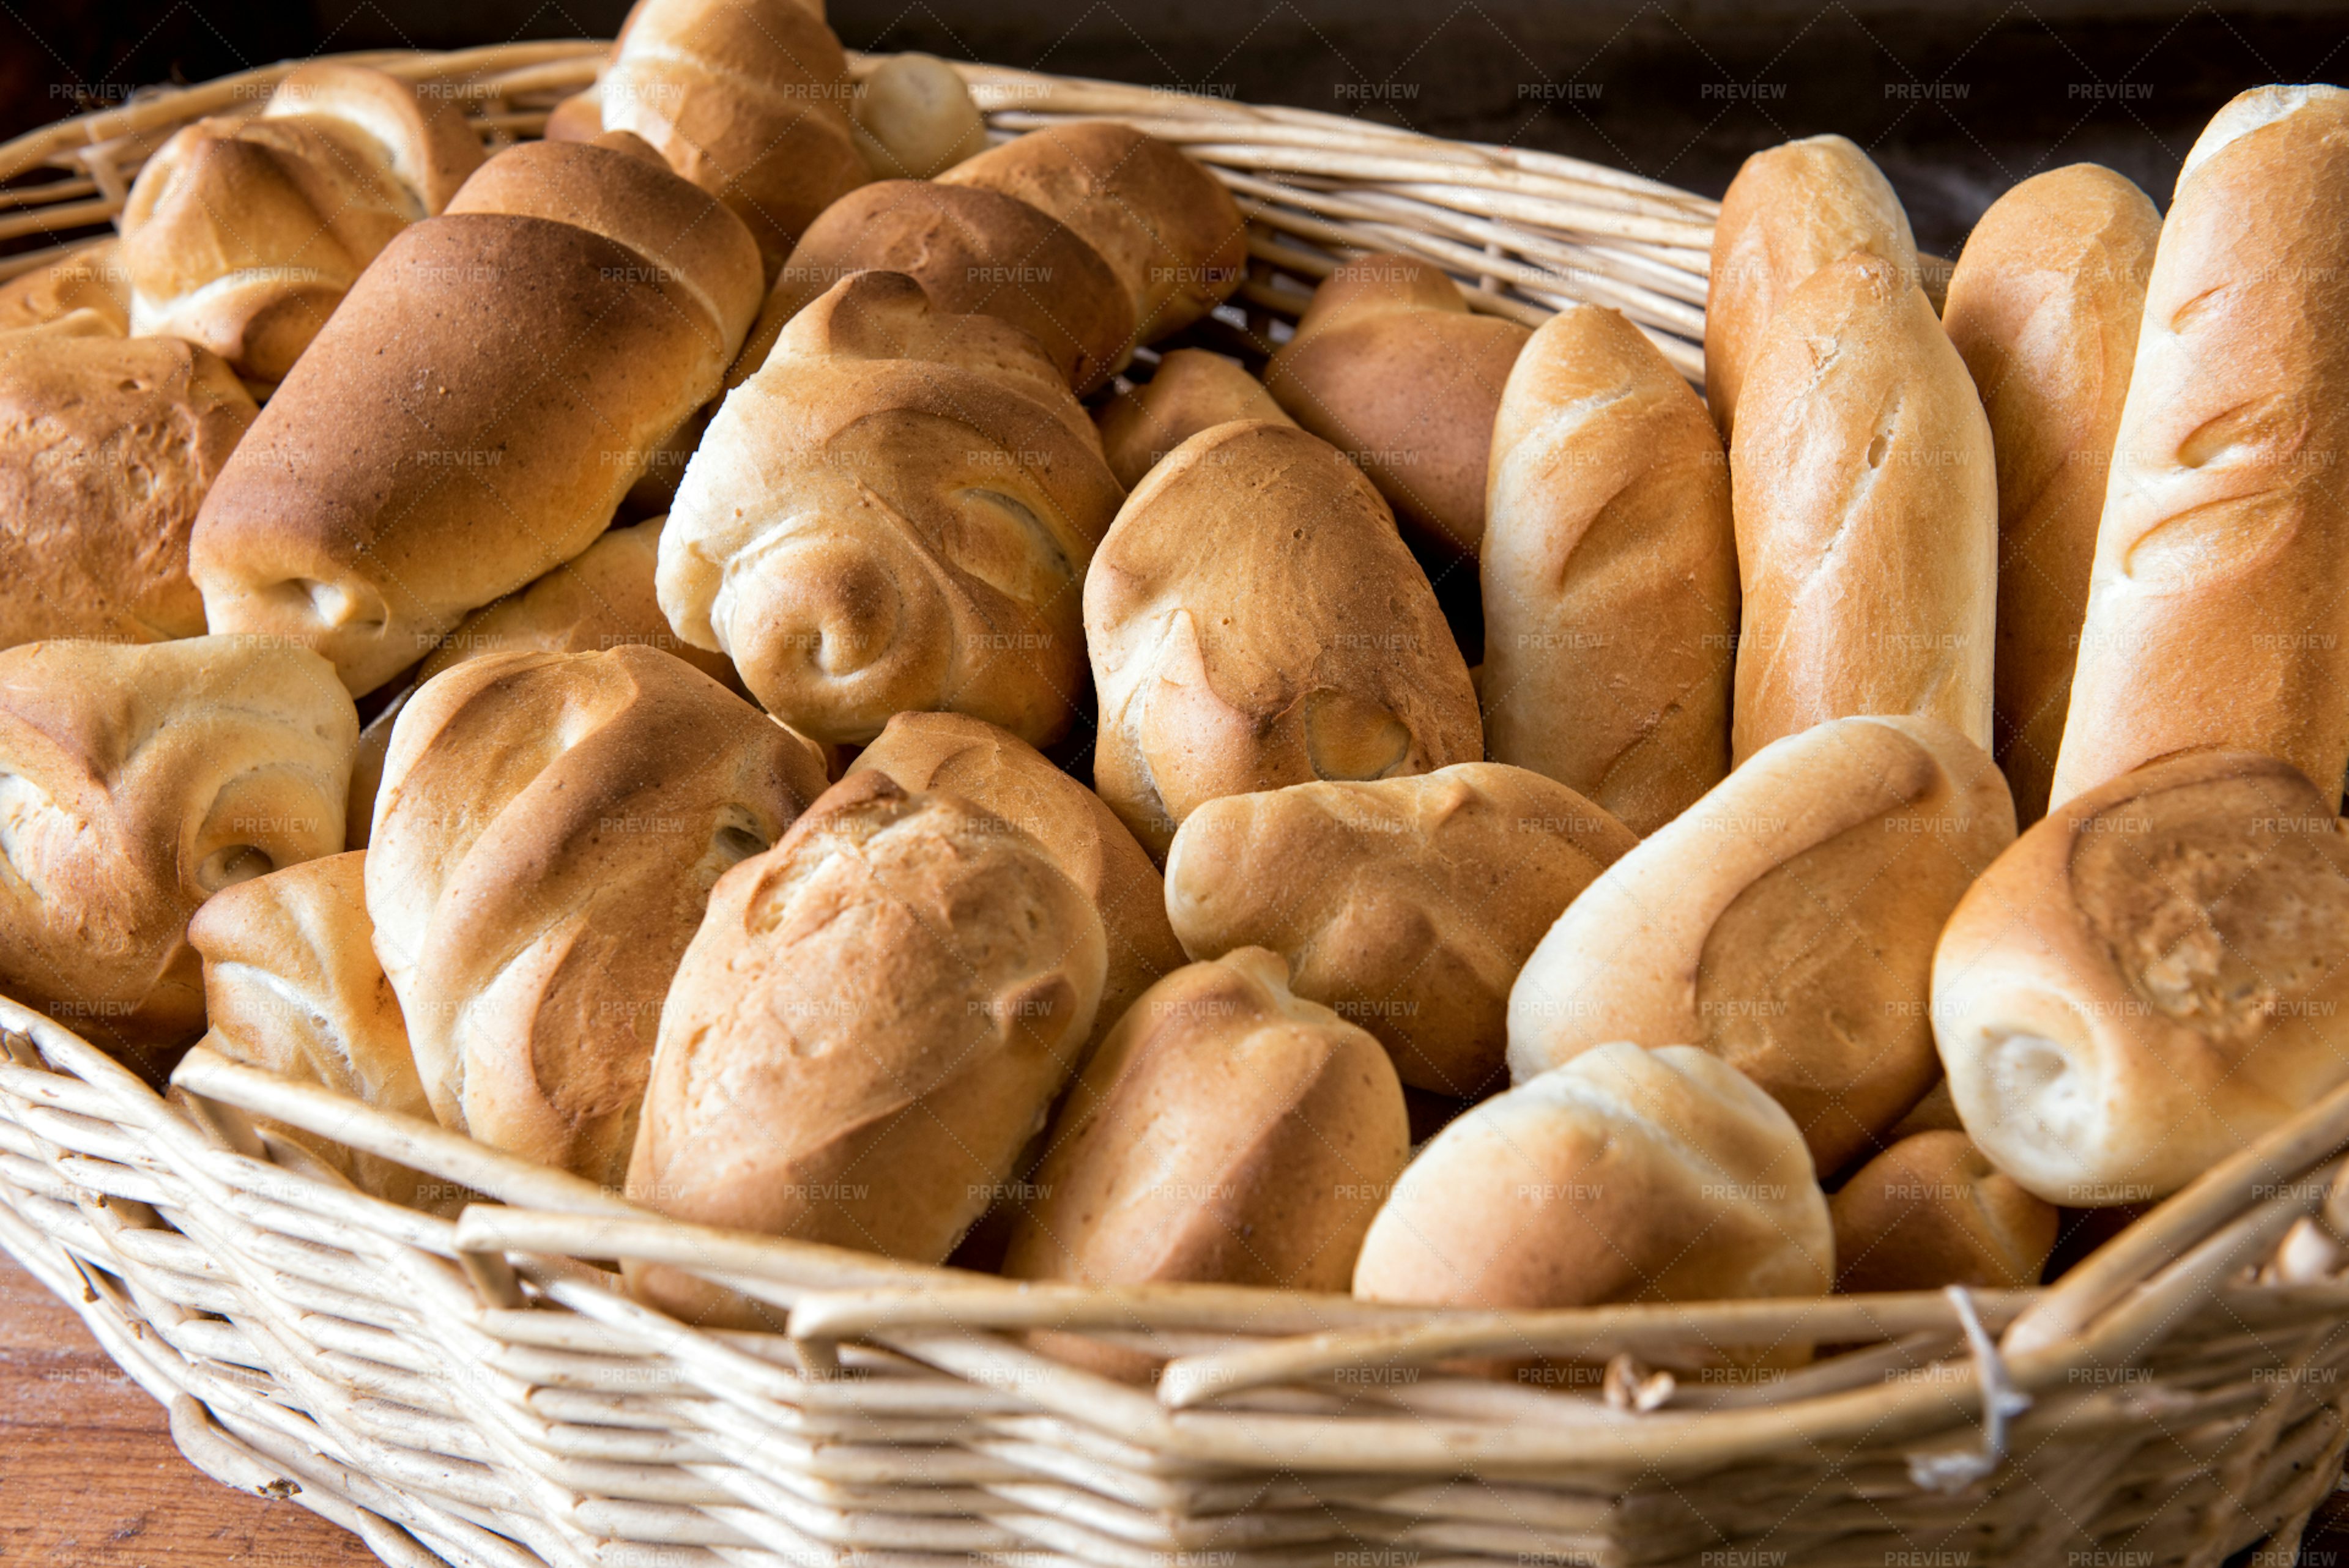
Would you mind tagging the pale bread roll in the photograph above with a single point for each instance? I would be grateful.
(1192, 390)
(914, 118)
(1932, 1211)
(91, 278)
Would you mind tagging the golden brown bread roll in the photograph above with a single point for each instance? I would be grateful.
(1785, 923)
(1389, 366)
(1866, 501)
(478, 405)
(870, 1024)
(893, 514)
(136, 781)
(1228, 1130)
(1792, 209)
(1192, 390)
(1407, 904)
(2150, 978)
(2219, 601)
(107, 448)
(91, 278)
(292, 985)
(914, 118)
(1931, 1212)
(1627, 1175)
(2043, 308)
(1254, 620)
(244, 234)
(1609, 573)
(546, 835)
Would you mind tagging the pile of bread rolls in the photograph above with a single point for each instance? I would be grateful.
(751, 651)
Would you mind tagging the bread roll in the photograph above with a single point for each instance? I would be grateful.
(1609, 573)
(1785, 923)
(1407, 904)
(2150, 978)
(1192, 390)
(477, 407)
(1254, 620)
(136, 781)
(1932, 1211)
(914, 118)
(546, 836)
(1227, 1131)
(244, 234)
(1389, 366)
(893, 514)
(91, 278)
(107, 448)
(367, 769)
(2218, 602)
(871, 1023)
(292, 985)
(1791, 210)
(1866, 499)
(1627, 1175)
(2043, 308)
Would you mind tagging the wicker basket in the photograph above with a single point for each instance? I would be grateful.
(469, 1386)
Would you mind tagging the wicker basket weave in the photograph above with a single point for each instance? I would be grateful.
(469, 1386)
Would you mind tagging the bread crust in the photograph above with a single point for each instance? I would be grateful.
(91, 278)
(1932, 1211)
(1193, 389)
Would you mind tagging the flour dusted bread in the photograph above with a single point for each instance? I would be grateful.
(1932, 1211)
(90, 279)
(2150, 978)
(1609, 573)
(1192, 390)
(870, 1024)
(136, 781)
(1786, 923)
(2044, 307)
(2219, 601)
(546, 836)
(1254, 620)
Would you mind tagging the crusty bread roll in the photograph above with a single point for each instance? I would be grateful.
(1254, 620)
(107, 448)
(244, 234)
(292, 984)
(1792, 209)
(1609, 573)
(2150, 978)
(1407, 904)
(1627, 1175)
(1192, 390)
(136, 781)
(870, 1024)
(545, 838)
(1228, 1130)
(91, 278)
(914, 118)
(1389, 366)
(478, 404)
(1866, 499)
(367, 769)
(893, 514)
(2043, 308)
(1931, 1212)
(2218, 602)
(1785, 923)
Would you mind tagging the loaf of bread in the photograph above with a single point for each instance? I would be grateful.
(2150, 978)
(914, 118)
(893, 514)
(1627, 1175)
(91, 279)
(244, 233)
(292, 985)
(2043, 308)
(1254, 620)
(136, 781)
(1931, 1212)
(1228, 1130)
(545, 838)
(1792, 209)
(472, 414)
(869, 1026)
(1192, 390)
(1407, 904)
(1866, 498)
(107, 448)
(1785, 923)
(1389, 366)
(2219, 601)
(1609, 573)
